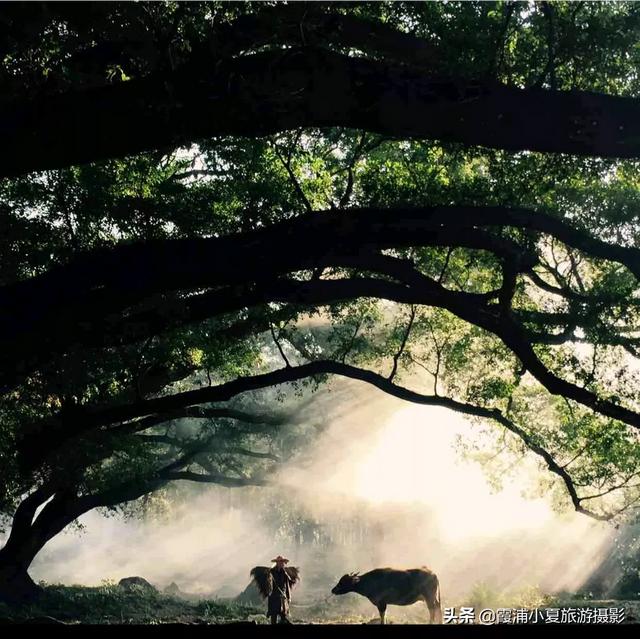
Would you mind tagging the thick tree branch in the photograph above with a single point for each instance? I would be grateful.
(320, 367)
(281, 90)
(230, 389)
(421, 290)
(302, 23)
(25, 513)
(82, 304)
(101, 280)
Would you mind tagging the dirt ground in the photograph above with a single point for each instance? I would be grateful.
(110, 604)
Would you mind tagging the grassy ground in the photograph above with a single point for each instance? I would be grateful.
(111, 604)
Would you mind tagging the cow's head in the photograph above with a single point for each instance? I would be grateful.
(346, 584)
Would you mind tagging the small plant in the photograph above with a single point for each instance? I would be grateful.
(483, 596)
(530, 597)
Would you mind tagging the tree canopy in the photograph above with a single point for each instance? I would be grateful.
(203, 204)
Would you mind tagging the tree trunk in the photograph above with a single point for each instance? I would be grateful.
(24, 543)
(16, 586)
(28, 536)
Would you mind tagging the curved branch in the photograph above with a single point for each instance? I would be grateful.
(516, 339)
(303, 24)
(280, 90)
(323, 367)
(99, 284)
(496, 415)
(422, 290)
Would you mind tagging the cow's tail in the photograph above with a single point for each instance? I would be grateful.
(437, 617)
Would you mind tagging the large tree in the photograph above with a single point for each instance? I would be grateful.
(203, 201)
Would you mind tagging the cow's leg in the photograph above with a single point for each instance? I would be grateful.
(438, 611)
(432, 609)
(435, 611)
(382, 608)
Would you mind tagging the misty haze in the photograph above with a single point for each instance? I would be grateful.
(384, 485)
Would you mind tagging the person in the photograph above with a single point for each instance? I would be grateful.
(276, 584)
(280, 596)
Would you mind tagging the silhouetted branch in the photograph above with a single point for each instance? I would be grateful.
(403, 343)
(320, 367)
(277, 343)
(286, 163)
(220, 480)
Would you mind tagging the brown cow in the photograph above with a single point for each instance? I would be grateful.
(386, 586)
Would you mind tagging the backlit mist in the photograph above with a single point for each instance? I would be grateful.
(390, 466)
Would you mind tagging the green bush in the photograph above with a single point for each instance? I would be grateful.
(628, 586)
